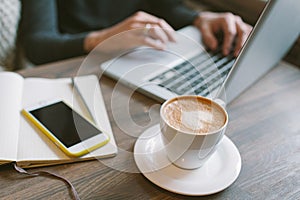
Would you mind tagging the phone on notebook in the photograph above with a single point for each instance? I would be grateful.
(71, 132)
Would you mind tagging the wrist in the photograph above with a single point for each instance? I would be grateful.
(197, 19)
(89, 42)
(201, 17)
(93, 39)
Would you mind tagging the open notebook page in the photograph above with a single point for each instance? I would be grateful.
(11, 85)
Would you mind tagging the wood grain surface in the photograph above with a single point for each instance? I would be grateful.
(264, 125)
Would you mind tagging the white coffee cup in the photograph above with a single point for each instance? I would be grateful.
(190, 141)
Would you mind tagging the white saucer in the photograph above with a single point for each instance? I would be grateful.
(218, 173)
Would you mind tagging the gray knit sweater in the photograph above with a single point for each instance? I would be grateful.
(9, 20)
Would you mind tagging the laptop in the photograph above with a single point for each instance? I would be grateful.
(185, 67)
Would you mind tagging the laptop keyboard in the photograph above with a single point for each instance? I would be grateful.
(199, 75)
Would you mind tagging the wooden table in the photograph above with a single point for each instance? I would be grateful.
(264, 125)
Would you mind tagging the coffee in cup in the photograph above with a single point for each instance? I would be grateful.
(191, 128)
(194, 115)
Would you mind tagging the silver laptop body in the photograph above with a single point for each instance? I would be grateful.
(186, 68)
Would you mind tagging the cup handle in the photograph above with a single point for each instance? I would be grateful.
(220, 102)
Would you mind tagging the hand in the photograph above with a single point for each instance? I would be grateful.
(232, 26)
(137, 30)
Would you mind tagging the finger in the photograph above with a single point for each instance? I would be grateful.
(208, 37)
(145, 18)
(150, 42)
(164, 26)
(243, 30)
(158, 33)
(169, 31)
(240, 41)
(229, 30)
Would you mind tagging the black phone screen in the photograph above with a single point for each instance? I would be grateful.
(65, 124)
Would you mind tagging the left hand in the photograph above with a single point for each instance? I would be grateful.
(232, 26)
(137, 30)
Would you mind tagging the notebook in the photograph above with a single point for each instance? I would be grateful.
(185, 67)
(25, 144)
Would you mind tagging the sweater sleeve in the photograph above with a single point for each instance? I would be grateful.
(40, 35)
(173, 11)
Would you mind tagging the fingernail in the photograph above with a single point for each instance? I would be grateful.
(236, 53)
(213, 46)
(225, 52)
(173, 39)
(160, 45)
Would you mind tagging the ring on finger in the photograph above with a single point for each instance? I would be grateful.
(147, 29)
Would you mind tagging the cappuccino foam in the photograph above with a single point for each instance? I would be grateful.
(193, 114)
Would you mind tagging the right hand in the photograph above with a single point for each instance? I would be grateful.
(233, 27)
(140, 29)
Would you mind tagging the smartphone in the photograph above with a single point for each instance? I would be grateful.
(72, 133)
